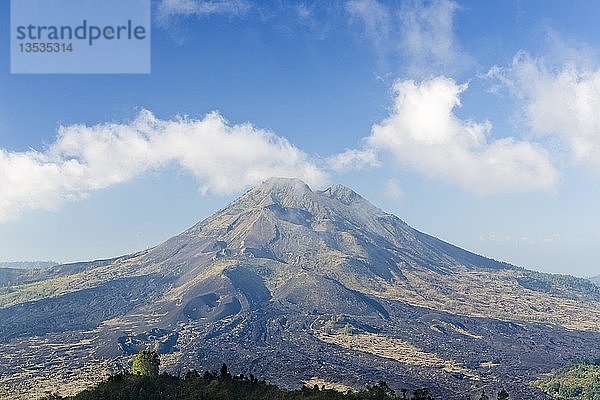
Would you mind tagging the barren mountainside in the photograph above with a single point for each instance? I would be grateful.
(298, 285)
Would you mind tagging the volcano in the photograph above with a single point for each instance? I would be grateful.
(299, 287)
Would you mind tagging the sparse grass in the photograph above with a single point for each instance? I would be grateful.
(392, 348)
(438, 325)
(63, 284)
(324, 384)
(494, 294)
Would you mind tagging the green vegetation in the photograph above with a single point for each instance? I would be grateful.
(555, 282)
(580, 381)
(222, 386)
(144, 383)
(145, 363)
(339, 324)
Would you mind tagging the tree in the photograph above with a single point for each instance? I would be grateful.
(381, 391)
(224, 373)
(421, 394)
(192, 374)
(484, 396)
(145, 363)
(208, 376)
(503, 395)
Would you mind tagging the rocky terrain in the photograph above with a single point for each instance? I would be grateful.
(298, 286)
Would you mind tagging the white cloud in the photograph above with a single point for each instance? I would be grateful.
(494, 237)
(420, 34)
(427, 36)
(304, 11)
(352, 159)
(376, 20)
(392, 190)
(168, 8)
(424, 134)
(224, 158)
(562, 102)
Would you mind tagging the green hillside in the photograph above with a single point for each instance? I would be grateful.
(580, 382)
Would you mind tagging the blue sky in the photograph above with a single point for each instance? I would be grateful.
(473, 121)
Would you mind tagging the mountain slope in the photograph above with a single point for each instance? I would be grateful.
(298, 284)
